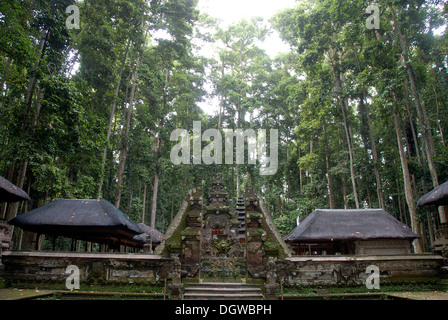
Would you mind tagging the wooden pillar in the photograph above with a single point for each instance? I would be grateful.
(36, 244)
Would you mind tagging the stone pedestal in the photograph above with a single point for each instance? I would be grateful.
(5, 236)
(440, 245)
(175, 274)
(272, 284)
(254, 244)
(5, 244)
(191, 241)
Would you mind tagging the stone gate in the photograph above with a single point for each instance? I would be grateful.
(215, 243)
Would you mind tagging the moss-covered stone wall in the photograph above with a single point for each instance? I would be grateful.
(96, 270)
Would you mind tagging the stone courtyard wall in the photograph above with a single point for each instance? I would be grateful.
(48, 269)
(351, 270)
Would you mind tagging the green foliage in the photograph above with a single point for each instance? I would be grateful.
(331, 98)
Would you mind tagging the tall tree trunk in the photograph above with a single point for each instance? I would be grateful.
(33, 80)
(144, 203)
(344, 176)
(344, 108)
(438, 114)
(155, 187)
(350, 153)
(379, 188)
(400, 207)
(221, 104)
(26, 126)
(407, 182)
(411, 122)
(366, 108)
(20, 181)
(423, 116)
(328, 165)
(111, 119)
(158, 151)
(125, 139)
(300, 169)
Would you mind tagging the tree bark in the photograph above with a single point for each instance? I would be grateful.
(158, 152)
(111, 120)
(26, 125)
(407, 182)
(328, 165)
(20, 181)
(421, 110)
(125, 140)
(364, 102)
(155, 187)
(344, 176)
(144, 203)
(436, 96)
(344, 107)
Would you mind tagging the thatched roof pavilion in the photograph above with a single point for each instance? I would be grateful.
(437, 197)
(341, 230)
(90, 220)
(150, 234)
(10, 192)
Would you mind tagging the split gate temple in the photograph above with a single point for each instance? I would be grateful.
(214, 243)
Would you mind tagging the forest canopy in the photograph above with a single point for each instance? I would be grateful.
(87, 110)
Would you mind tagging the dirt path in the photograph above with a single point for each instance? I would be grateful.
(17, 294)
(430, 295)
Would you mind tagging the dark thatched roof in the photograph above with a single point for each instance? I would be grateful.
(339, 224)
(156, 236)
(438, 196)
(10, 192)
(92, 220)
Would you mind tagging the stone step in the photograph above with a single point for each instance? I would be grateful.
(222, 284)
(222, 296)
(222, 291)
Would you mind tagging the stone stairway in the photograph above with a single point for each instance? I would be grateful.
(241, 213)
(222, 291)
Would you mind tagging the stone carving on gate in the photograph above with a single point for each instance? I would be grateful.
(222, 254)
(212, 240)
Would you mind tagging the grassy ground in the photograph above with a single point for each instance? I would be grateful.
(413, 287)
(437, 289)
(124, 288)
(434, 290)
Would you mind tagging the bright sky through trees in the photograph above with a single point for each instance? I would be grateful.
(232, 11)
